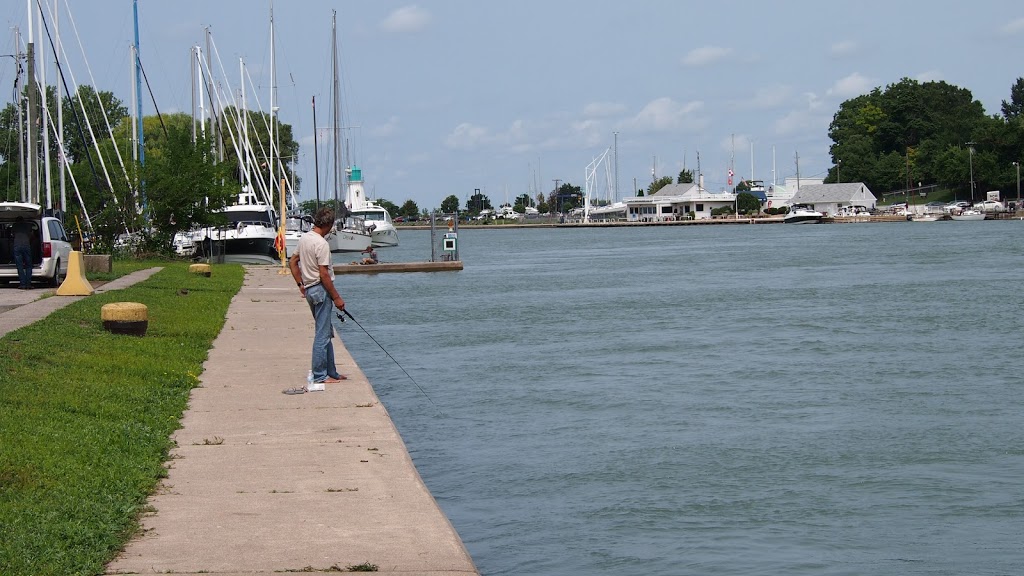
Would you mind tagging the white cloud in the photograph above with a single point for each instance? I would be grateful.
(665, 114)
(766, 98)
(388, 128)
(467, 136)
(1013, 27)
(406, 19)
(738, 144)
(603, 109)
(853, 85)
(843, 48)
(705, 55)
(929, 76)
(813, 117)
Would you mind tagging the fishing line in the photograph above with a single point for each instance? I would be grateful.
(411, 379)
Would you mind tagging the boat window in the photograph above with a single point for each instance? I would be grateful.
(248, 216)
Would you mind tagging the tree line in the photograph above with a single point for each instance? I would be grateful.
(912, 133)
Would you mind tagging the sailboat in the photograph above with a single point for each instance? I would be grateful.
(376, 217)
(250, 235)
(350, 231)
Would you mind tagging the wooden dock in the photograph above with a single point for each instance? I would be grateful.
(379, 268)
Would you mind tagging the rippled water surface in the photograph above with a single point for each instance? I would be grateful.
(800, 400)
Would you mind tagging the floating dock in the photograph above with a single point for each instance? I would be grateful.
(379, 268)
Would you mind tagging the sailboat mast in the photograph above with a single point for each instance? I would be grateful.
(138, 86)
(273, 106)
(316, 156)
(61, 161)
(335, 107)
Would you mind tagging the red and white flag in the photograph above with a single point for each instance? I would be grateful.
(730, 176)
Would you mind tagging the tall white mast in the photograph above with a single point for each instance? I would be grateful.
(273, 106)
(243, 118)
(334, 104)
(61, 161)
(46, 124)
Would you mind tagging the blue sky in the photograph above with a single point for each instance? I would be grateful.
(446, 96)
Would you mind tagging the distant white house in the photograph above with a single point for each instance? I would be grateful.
(676, 202)
(829, 198)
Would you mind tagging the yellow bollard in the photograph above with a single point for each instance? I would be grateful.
(129, 318)
(75, 283)
(201, 269)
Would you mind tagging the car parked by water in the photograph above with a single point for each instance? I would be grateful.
(990, 206)
(51, 248)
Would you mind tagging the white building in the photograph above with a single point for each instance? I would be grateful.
(829, 198)
(676, 202)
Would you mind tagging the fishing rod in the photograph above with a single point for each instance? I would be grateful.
(411, 379)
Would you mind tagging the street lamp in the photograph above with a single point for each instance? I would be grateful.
(839, 164)
(970, 149)
(1017, 166)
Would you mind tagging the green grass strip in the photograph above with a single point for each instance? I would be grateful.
(86, 418)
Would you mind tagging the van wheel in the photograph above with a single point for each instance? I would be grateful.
(58, 278)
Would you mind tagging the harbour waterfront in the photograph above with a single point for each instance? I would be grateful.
(713, 400)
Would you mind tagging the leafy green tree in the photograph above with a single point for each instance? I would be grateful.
(566, 197)
(230, 130)
(77, 138)
(388, 205)
(522, 201)
(658, 184)
(450, 204)
(875, 134)
(186, 187)
(477, 202)
(1014, 109)
(409, 208)
(748, 203)
(685, 177)
(742, 186)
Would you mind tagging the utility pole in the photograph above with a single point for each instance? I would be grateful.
(970, 150)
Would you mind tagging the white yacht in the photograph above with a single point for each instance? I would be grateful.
(802, 214)
(375, 216)
(247, 238)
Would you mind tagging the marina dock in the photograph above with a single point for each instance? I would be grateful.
(385, 267)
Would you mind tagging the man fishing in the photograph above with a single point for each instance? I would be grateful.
(311, 268)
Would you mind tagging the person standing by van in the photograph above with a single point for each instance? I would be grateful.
(22, 252)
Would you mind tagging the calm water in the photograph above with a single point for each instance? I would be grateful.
(831, 399)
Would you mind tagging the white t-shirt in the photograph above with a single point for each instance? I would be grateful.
(313, 252)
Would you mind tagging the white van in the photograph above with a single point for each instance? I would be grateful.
(51, 249)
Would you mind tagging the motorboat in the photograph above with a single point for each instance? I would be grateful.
(247, 237)
(967, 214)
(376, 218)
(295, 225)
(802, 214)
(350, 234)
(925, 217)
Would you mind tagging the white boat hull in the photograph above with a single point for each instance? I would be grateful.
(348, 241)
(802, 219)
(384, 236)
(967, 217)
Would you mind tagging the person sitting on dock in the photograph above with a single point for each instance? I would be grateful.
(371, 257)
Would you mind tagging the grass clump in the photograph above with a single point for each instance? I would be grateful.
(86, 417)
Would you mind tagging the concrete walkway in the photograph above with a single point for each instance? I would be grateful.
(263, 483)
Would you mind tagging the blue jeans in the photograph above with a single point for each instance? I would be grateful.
(323, 348)
(23, 260)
